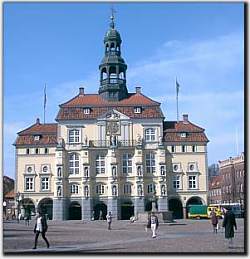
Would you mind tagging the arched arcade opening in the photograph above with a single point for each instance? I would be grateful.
(175, 205)
(75, 211)
(46, 207)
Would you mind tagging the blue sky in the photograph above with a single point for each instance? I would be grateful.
(61, 44)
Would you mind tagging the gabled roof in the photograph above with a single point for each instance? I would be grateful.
(172, 132)
(38, 128)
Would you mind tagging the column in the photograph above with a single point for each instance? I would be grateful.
(87, 208)
(60, 209)
(138, 205)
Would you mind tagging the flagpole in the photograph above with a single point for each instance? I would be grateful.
(44, 103)
(237, 142)
(177, 92)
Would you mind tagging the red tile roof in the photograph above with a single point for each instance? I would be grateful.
(73, 109)
(172, 132)
(90, 100)
(47, 133)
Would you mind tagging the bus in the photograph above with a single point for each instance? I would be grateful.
(235, 208)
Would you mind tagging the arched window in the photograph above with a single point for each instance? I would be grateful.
(74, 163)
(86, 191)
(107, 47)
(104, 73)
(74, 136)
(112, 46)
(121, 75)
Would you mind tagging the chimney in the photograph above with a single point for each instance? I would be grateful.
(138, 89)
(37, 121)
(81, 90)
(185, 117)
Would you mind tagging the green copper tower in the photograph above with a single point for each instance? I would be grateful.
(113, 67)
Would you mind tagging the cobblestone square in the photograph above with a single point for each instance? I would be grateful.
(183, 236)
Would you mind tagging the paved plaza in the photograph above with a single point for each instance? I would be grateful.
(183, 236)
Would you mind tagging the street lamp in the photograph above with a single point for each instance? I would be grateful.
(19, 198)
(4, 208)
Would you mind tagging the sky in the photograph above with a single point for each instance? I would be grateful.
(61, 45)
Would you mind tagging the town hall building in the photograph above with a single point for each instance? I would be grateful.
(111, 151)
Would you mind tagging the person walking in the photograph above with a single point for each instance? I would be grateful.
(41, 227)
(154, 224)
(109, 220)
(27, 219)
(229, 223)
(214, 221)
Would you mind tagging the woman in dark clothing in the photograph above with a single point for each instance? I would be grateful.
(214, 221)
(41, 227)
(229, 223)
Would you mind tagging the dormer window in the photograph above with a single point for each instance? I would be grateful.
(183, 134)
(86, 110)
(137, 109)
(37, 137)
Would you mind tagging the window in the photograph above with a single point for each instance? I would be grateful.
(74, 163)
(36, 138)
(183, 134)
(86, 191)
(183, 148)
(172, 149)
(194, 148)
(37, 150)
(86, 110)
(127, 163)
(191, 167)
(74, 189)
(177, 182)
(74, 136)
(175, 167)
(127, 189)
(59, 172)
(192, 183)
(45, 183)
(45, 169)
(137, 109)
(100, 164)
(27, 151)
(150, 135)
(46, 151)
(151, 188)
(29, 169)
(100, 189)
(163, 170)
(29, 184)
(150, 162)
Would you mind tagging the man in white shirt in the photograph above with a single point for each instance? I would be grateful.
(109, 220)
(41, 227)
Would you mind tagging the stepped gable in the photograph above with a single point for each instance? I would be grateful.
(172, 132)
(73, 109)
(47, 135)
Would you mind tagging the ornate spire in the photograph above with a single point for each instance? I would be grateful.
(112, 18)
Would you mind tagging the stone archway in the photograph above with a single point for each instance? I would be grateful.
(195, 200)
(75, 211)
(127, 210)
(175, 205)
(100, 211)
(29, 207)
(46, 207)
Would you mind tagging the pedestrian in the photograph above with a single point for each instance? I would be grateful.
(154, 224)
(27, 219)
(41, 227)
(19, 217)
(93, 215)
(109, 220)
(214, 221)
(229, 223)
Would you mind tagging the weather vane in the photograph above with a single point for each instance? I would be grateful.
(112, 17)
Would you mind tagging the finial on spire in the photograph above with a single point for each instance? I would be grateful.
(112, 18)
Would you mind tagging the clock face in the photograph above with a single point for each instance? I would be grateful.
(113, 128)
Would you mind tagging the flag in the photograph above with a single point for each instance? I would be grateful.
(45, 97)
(177, 86)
